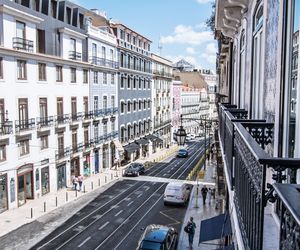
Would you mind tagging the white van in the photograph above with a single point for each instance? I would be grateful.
(177, 193)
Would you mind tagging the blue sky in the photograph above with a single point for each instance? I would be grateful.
(179, 25)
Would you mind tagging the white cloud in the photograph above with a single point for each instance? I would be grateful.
(210, 53)
(190, 50)
(187, 35)
(205, 1)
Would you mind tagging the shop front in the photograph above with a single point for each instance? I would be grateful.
(61, 176)
(87, 165)
(45, 180)
(105, 156)
(75, 167)
(3, 193)
(25, 183)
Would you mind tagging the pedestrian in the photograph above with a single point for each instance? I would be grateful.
(204, 191)
(209, 194)
(213, 193)
(75, 182)
(80, 181)
(190, 230)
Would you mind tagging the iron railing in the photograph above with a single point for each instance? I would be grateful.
(63, 153)
(104, 62)
(23, 125)
(46, 121)
(6, 127)
(76, 116)
(62, 119)
(73, 55)
(22, 44)
(244, 143)
(88, 115)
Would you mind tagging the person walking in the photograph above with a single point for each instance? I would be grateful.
(190, 230)
(209, 194)
(204, 191)
(80, 181)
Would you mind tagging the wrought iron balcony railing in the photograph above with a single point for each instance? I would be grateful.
(115, 110)
(63, 153)
(42, 122)
(88, 115)
(62, 119)
(73, 55)
(244, 142)
(23, 125)
(6, 127)
(22, 44)
(76, 116)
(104, 62)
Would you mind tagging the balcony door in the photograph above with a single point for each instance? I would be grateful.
(72, 45)
(20, 30)
(60, 108)
(43, 108)
(94, 50)
(23, 112)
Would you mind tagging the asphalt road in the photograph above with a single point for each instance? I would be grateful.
(116, 218)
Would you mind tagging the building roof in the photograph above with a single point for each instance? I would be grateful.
(191, 79)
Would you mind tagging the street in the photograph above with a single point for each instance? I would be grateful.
(115, 219)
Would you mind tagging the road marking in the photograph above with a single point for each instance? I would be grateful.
(87, 239)
(104, 225)
(118, 213)
(139, 195)
(129, 203)
(147, 188)
(164, 174)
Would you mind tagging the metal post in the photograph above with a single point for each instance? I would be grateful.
(66, 196)
(56, 201)
(105, 179)
(45, 207)
(92, 185)
(76, 193)
(31, 213)
(197, 192)
(99, 182)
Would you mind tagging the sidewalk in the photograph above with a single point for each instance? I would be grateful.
(199, 213)
(34, 209)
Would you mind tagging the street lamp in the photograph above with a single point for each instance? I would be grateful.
(180, 136)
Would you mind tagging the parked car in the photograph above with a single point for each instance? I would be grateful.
(182, 153)
(158, 237)
(177, 193)
(134, 169)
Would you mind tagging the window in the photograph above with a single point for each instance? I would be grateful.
(21, 31)
(113, 126)
(144, 84)
(23, 112)
(21, 70)
(59, 73)
(104, 102)
(104, 78)
(122, 34)
(43, 109)
(103, 52)
(122, 82)
(86, 136)
(24, 147)
(72, 45)
(96, 103)
(149, 104)
(94, 52)
(113, 101)
(128, 82)
(44, 142)
(112, 79)
(112, 55)
(140, 83)
(134, 105)
(95, 77)
(140, 104)
(134, 40)
(128, 38)
(85, 104)
(60, 143)
(74, 140)
(42, 71)
(60, 107)
(145, 104)
(2, 153)
(128, 106)
(74, 107)
(149, 84)
(73, 75)
(85, 75)
(96, 129)
(1, 68)
(105, 128)
(122, 106)
(134, 83)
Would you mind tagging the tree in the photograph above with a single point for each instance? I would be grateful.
(210, 22)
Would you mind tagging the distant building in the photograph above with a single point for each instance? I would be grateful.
(176, 104)
(183, 65)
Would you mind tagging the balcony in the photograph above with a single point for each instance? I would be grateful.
(6, 127)
(98, 113)
(88, 115)
(115, 110)
(99, 140)
(43, 122)
(63, 153)
(77, 148)
(62, 119)
(73, 55)
(76, 117)
(24, 125)
(104, 62)
(244, 143)
(22, 44)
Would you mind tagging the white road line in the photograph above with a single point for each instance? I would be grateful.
(104, 225)
(164, 174)
(139, 195)
(129, 203)
(118, 213)
(82, 243)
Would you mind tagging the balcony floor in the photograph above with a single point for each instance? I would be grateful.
(271, 232)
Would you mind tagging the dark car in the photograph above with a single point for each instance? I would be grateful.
(134, 169)
(158, 237)
(182, 153)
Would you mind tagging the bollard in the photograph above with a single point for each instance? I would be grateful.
(56, 201)
(31, 213)
(99, 182)
(76, 193)
(84, 188)
(105, 179)
(66, 196)
(44, 207)
(92, 185)
(111, 176)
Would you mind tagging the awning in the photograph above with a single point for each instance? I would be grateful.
(132, 147)
(154, 138)
(215, 228)
(142, 141)
(118, 145)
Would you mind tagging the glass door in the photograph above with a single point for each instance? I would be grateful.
(21, 190)
(61, 177)
(28, 179)
(3, 193)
